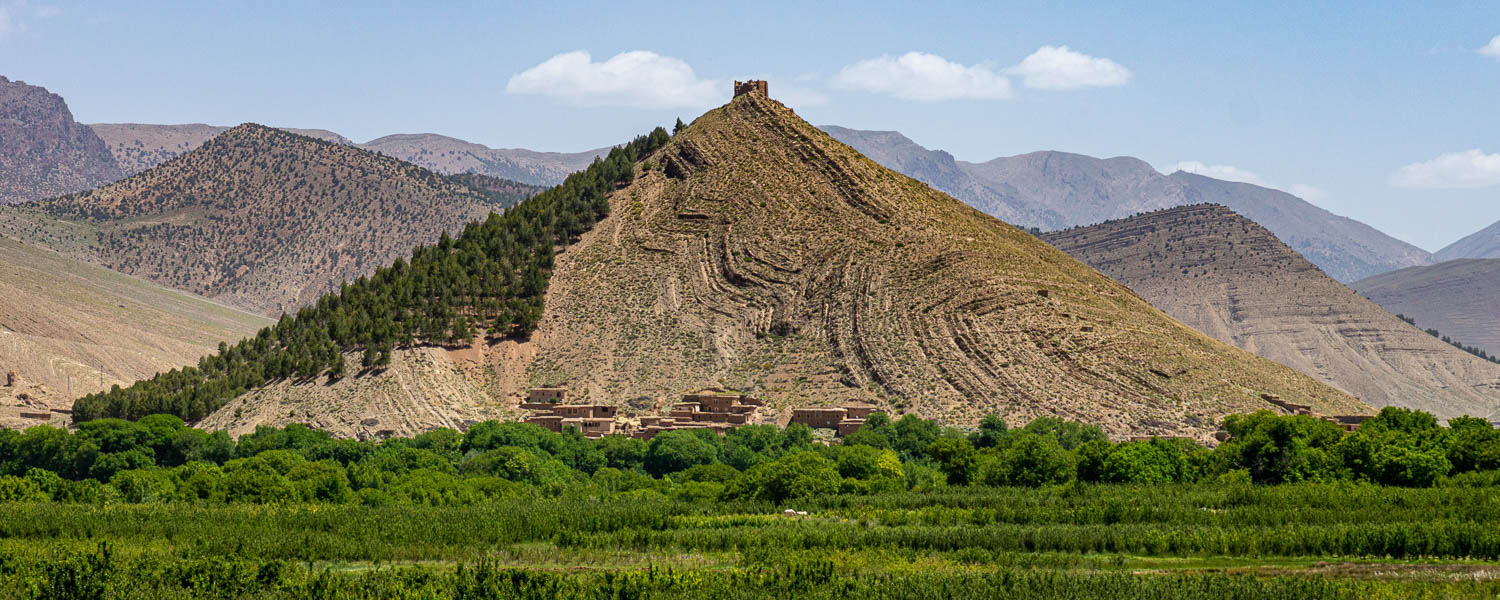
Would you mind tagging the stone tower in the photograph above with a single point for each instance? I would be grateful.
(757, 86)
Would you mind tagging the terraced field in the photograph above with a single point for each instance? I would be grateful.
(755, 252)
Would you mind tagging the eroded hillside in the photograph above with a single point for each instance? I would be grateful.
(68, 328)
(756, 252)
(1231, 278)
(1459, 298)
(268, 220)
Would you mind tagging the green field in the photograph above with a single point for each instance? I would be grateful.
(1077, 541)
(1287, 507)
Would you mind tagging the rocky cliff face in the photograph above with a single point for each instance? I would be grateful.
(43, 152)
(1229, 277)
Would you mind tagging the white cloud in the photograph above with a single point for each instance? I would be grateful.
(1058, 68)
(1225, 172)
(637, 79)
(1492, 49)
(1468, 169)
(1308, 193)
(922, 76)
(47, 12)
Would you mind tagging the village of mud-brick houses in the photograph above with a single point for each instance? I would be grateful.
(715, 409)
(721, 410)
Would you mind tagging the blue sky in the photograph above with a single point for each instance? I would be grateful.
(1385, 112)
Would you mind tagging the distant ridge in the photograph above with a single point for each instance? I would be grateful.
(1055, 190)
(1459, 298)
(1484, 243)
(450, 155)
(43, 152)
(262, 218)
(139, 146)
(1231, 278)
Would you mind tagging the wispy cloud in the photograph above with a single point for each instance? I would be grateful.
(1304, 191)
(929, 77)
(639, 79)
(1492, 49)
(1059, 68)
(923, 76)
(1454, 170)
(1225, 172)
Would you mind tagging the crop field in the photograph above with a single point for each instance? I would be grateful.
(1076, 541)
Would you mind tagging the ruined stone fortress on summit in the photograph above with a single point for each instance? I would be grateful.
(756, 86)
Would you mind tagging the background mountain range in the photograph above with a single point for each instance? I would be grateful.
(1227, 276)
(261, 218)
(1056, 190)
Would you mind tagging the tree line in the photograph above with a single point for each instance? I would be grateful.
(160, 459)
(489, 280)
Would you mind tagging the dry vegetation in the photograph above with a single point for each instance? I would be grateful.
(137, 147)
(1229, 277)
(66, 325)
(269, 220)
(758, 253)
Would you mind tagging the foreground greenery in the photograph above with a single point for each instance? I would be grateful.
(158, 459)
(1288, 507)
(1078, 541)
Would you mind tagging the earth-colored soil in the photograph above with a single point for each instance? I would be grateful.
(1459, 298)
(68, 328)
(258, 218)
(1231, 278)
(755, 252)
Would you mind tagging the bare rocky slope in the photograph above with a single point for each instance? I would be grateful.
(1459, 298)
(261, 218)
(754, 252)
(758, 253)
(1231, 278)
(1054, 190)
(139, 146)
(450, 155)
(1484, 243)
(43, 152)
(68, 328)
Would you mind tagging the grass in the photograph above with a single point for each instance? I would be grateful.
(1293, 542)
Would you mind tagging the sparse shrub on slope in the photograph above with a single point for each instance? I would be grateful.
(492, 279)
